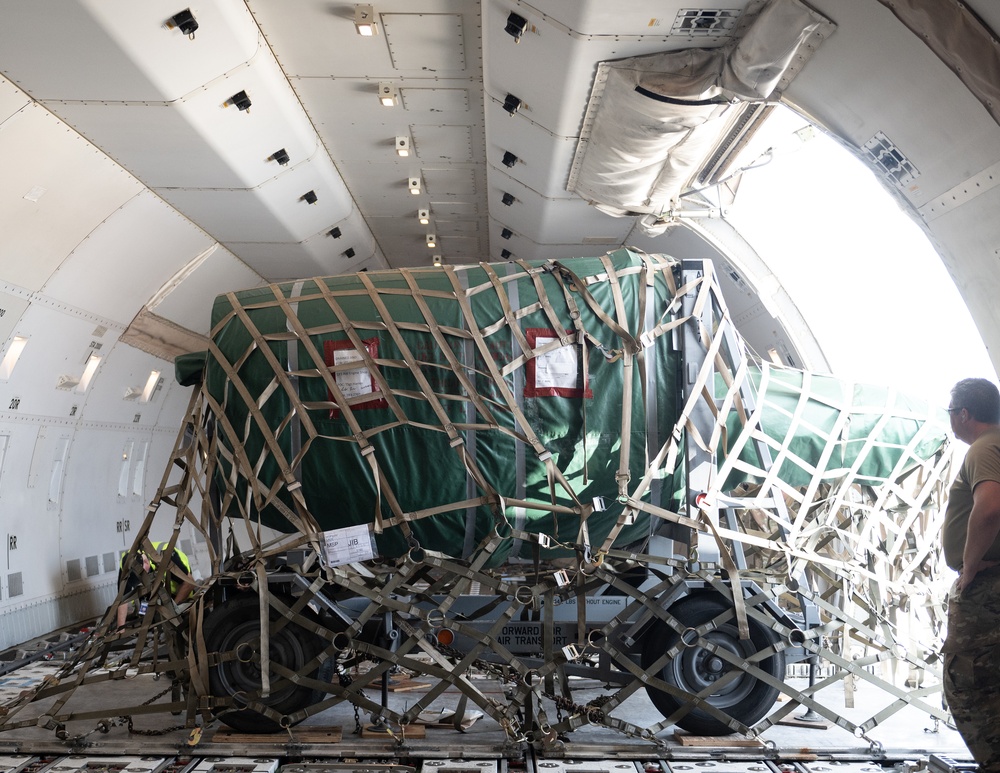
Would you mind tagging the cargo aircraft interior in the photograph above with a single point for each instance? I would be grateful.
(158, 154)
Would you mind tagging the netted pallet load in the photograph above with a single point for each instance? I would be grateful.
(447, 406)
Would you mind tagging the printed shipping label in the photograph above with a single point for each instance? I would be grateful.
(348, 545)
(556, 369)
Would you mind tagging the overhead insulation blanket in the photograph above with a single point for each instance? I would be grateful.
(446, 405)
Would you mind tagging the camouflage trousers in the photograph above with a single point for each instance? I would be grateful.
(972, 667)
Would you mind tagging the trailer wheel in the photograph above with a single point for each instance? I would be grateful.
(232, 630)
(695, 668)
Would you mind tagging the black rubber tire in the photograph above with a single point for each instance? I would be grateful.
(235, 625)
(746, 698)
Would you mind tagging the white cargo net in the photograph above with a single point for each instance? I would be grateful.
(823, 507)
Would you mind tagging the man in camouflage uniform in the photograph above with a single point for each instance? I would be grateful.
(971, 541)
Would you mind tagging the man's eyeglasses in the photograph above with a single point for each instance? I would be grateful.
(952, 410)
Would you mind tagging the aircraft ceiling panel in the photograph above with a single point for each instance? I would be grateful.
(543, 160)
(599, 18)
(318, 38)
(277, 211)
(443, 143)
(105, 38)
(461, 102)
(34, 51)
(857, 106)
(466, 209)
(451, 181)
(453, 241)
(320, 255)
(455, 226)
(189, 304)
(441, 47)
(559, 221)
(551, 49)
(126, 259)
(13, 101)
(52, 197)
(385, 186)
(126, 132)
(348, 116)
(203, 140)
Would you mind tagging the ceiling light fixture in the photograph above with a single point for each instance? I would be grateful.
(511, 104)
(403, 146)
(281, 156)
(185, 22)
(88, 373)
(151, 383)
(505, 254)
(509, 159)
(506, 233)
(424, 216)
(387, 94)
(516, 25)
(507, 199)
(414, 184)
(309, 197)
(349, 252)
(431, 241)
(11, 357)
(364, 21)
(438, 260)
(334, 232)
(241, 100)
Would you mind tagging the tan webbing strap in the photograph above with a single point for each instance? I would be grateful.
(581, 339)
(739, 601)
(240, 461)
(263, 595)
(543, 299)
(508, 311)
(269, 440)
(460, 370)
(366, 449)
(393, 329)
(529, 435)
(581, 287)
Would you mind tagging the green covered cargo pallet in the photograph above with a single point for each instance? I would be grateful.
(475, 393)
(467, 409)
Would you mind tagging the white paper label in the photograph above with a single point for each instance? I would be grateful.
(557, 369)
(353, 383)
(348, 545)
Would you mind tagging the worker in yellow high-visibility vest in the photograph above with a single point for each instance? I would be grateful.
(180, 588)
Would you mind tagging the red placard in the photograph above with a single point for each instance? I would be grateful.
(354, 382)
(556, 373)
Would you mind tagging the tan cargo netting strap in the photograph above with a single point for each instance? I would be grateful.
(800, 524)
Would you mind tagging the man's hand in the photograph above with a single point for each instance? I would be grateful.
(965, 579)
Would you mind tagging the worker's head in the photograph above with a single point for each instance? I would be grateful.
(974, 401)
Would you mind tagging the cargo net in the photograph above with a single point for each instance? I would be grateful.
(808, 562)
